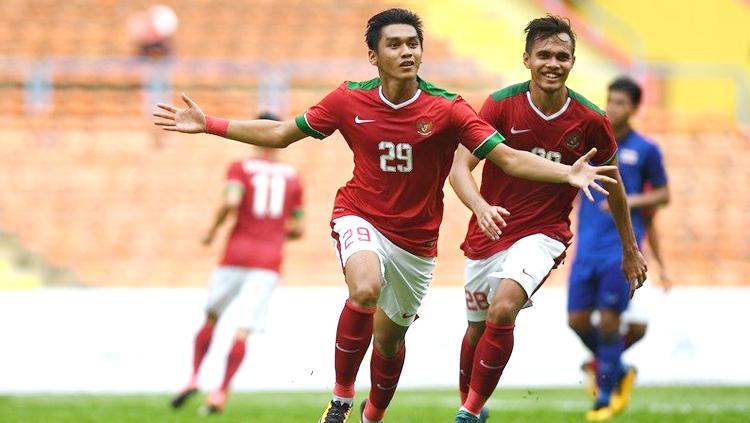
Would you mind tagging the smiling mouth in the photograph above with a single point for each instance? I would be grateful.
(552, 76)
(407, 64)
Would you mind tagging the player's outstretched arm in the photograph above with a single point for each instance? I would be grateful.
(581, 174)
(192, 120)
(489, 218)
(633, 263)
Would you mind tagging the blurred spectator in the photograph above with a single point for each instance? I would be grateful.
(152, 31)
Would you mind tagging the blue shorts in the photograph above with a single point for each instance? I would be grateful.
(598, 285)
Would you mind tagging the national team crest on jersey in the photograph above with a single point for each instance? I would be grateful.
(573, 140)
(424, 127)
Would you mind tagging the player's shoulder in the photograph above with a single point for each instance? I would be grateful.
(586, 106)
(510, 91)
(353, 86)
(433, 90)
(644, 143)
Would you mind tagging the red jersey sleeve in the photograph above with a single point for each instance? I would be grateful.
(322, 119)
(473, 132)
(602, 137)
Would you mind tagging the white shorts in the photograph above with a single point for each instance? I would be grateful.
(404, 276)
(250, 288)
(528, 261)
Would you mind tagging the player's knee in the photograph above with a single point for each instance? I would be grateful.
(364, 294)
(636, 332)
(503, 311)
(609, 325)
(242, 334)
(580, 322)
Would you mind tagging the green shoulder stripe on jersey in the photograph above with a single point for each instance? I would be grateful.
(584, 101)
(487, 145)
(363, 85)
(436, 91)
(305, 127)
(510, 91)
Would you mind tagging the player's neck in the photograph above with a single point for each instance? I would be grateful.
(621, 131)
(397, 91)
(548, 103)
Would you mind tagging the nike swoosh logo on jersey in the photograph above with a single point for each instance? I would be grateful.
(490, 367)
(407, 315)
(345, 350)
(358, 120)
(515, 131)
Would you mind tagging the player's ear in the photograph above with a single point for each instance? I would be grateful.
(572, 63)
(372, 55)
(526, 60)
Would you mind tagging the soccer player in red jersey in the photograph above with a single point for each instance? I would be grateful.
(508, 261)
(265, 198)
(403, 132)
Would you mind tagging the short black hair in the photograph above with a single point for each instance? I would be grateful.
(390, 17)
(268, 116)
(628, 86)
(548, 26)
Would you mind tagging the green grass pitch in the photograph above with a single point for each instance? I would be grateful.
(649, 404)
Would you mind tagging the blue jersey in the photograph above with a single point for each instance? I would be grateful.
(640, 162)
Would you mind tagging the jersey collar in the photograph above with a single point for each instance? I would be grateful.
(400, 105)
(542, 115)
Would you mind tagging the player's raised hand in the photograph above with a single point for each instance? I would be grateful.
(634, 266)
(490, 220)
(191, 120)
(584, 176)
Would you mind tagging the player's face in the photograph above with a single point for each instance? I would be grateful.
(619, 108)
(550, 62)
(399, 52)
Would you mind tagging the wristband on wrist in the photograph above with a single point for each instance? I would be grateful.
(217, 126)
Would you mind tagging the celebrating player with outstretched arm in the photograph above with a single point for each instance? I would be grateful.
(403, 132)
(508, 261)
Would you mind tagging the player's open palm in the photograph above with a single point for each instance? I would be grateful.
(634, 266)
(191, 120)
(584, 176)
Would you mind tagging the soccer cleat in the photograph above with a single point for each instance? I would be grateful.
(600, 414)
(484, 414)
(179, 399)
(464, 416)
(336, 412)
(589, 370)
(621, 396)
(215, 403)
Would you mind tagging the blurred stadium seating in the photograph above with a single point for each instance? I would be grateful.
(91, 187)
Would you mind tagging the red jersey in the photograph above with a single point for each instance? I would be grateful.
(272, 194)
(402, 155)
(563, 137)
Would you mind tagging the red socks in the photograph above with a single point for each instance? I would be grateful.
(492, 354)
(353, 337)
(465, 364)
(384, 375)
(202, 342)
(234, 359)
